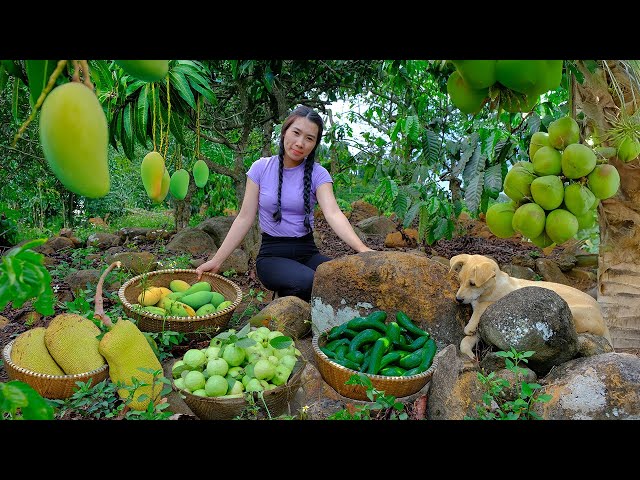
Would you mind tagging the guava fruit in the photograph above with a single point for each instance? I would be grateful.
(468, 100)
(499, 217)
(563, 132)
(74, 136)
(194, 380)
(217, 366)
(216, 386)
(233, 354)
(263, 369)
(194, 358)
(145, 70)
(561, 225)
(604, 181)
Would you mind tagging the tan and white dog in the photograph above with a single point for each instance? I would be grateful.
(482, 283)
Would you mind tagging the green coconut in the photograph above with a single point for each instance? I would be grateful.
(518, 75)
(547, 161)
(529, 220)
(499, 219)
(542, 241)
(517, 182)
(538, 140)
(468, 100)
(477, 74)
(604, 181)
(578, 199)
(578, 160)
(547, 191)
(561, 225)
(563, 132)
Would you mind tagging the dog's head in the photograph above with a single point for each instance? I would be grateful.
(476, 273)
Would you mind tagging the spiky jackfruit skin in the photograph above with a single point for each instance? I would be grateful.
(75, 137)
(71, 341)
(29, 351)
(129, 355)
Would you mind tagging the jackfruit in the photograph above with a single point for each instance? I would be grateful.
(74, 136)
(179, 184)
(152, 170)
(200, 173)
(130, 356)
(145, 70)
(71, 340)
(29, 351)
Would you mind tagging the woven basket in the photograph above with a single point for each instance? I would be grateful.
(336, 376)
(51, 386)
(193, 327)
(218, 408)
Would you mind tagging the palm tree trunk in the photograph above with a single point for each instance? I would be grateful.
(619, 216)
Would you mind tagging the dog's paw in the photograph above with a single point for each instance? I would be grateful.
(469, 330)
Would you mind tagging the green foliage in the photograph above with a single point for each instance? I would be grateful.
(23, 276)
(253, 296)
(495, 405)
(388, 403)
(153, 411)
(100, 401)
(165, 341)
(20, 401)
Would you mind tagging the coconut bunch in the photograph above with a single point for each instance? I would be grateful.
(557, 192)
(511, 85)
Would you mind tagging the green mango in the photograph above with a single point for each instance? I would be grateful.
(152, 170)
(74, 136)
(200, 173)
(196, 299)
(179, 184)
(205, 309)
(145, 70)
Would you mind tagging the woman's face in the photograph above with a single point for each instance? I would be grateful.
(299, 140)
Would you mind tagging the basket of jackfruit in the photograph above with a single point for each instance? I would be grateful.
(240, 372)
(52, 359)
(175, 300)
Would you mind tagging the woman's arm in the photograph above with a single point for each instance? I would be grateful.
(336, 219)
(238, 230)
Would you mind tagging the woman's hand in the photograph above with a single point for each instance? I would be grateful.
(209, 266)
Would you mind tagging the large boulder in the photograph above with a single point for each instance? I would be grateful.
(193, 241)
(355, 285)
(290, 315)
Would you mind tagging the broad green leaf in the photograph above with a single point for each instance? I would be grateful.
(35, 407)
(142, 115)
(38, 73)
(126, 132)
(176, 128)
(180, 83)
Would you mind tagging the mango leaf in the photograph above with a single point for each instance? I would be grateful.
(24, 277)
(38, 73)
(206, 93)
(126, 132)
(176, 127)
(142, 115)
(180, 83)
(4, 76)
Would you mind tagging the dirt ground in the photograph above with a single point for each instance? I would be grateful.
(502, 250)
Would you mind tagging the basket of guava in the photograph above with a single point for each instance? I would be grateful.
(250, 373)
(396, 356)
(176, 300)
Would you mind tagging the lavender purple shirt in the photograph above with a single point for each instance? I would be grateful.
(264, 172)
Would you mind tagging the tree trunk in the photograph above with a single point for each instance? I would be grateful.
(619, 216)
(183, 208)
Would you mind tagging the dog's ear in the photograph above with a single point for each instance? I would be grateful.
(483, 272)
(457, 262)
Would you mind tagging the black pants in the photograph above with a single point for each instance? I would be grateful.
(287, 264)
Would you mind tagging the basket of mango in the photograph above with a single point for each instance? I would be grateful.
(178, 301)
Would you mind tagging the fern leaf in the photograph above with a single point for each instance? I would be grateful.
(401, 204)
(473, 193)
(493, 180)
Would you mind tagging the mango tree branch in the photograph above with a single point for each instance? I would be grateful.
(43, 94)
(99, 301)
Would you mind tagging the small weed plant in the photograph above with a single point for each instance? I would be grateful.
(394, 409)
(495, 404)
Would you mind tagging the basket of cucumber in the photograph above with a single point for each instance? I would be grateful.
(396, 356)
(176, 300)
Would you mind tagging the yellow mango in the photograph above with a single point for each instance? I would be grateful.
(152, 170)
(180, 309)
(74, 135)
(149, 296)
(178, 285)
(145, 70)
(164, 187)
